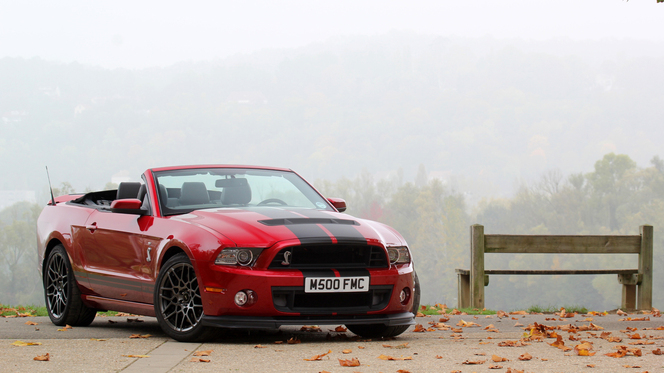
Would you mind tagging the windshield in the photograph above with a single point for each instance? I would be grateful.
(183, 191)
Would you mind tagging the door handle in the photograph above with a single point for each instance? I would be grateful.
(149, 258)
(92, 227)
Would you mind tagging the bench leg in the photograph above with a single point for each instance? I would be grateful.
(628, 298)
(463, 296)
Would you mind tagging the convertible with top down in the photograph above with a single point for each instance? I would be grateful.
(200, 247)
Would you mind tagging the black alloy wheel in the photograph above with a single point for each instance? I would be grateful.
(177, 301)
(61, 292)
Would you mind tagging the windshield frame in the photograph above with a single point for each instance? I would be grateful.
(317, 200)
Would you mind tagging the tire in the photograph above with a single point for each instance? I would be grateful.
(61, 292)
(177, 301)
(416, 295)
(382, 330)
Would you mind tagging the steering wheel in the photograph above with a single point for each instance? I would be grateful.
(272, 200)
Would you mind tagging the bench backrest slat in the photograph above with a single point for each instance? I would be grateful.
(520, 244)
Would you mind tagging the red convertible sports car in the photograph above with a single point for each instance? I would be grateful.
(223, 246)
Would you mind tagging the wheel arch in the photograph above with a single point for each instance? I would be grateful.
(169, 253)
(47, 252)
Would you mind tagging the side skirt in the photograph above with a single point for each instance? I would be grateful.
(118, 305)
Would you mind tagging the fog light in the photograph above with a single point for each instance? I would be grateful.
(241, 298)
(404, 297)
(245, 298)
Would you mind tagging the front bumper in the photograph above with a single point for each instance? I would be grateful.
(252, 322)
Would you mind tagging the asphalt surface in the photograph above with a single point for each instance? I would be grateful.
(106, 346)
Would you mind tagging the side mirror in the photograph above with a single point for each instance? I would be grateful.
(128, 206)
(338, 204)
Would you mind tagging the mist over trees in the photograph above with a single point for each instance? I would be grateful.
(486, 112)
(427, 134)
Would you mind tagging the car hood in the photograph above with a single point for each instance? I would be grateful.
(265, 226)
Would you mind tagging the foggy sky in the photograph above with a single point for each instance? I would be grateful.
(141, 34)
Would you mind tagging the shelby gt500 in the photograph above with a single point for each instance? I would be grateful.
(200, 247)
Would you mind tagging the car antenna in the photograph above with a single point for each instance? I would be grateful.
(50, 187)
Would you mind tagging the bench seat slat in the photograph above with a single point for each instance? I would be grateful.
(552, 271)
(516, 244)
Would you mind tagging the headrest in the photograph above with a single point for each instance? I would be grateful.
(235, 192)
(128, 189)
(194, 193)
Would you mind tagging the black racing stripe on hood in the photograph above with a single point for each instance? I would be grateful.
(304, 232)
(342, 232)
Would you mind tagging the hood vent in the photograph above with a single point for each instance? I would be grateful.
(294, 221)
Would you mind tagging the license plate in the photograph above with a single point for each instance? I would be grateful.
(336, 284)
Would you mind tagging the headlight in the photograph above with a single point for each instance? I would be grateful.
(241, 256)
(398, 255)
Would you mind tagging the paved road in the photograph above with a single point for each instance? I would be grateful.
(81, 350)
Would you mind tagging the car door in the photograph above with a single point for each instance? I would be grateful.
(117, 253)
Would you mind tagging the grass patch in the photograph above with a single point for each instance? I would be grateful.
(107, 313)
(27, 311)
(554, 309)
(438, 310)
(22, 311)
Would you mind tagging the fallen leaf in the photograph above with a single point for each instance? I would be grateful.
(385, 357)
(31, 323)
(340, 329)
(199, 360)
(657, 351)
(22, 344)
(310, 328)
(347, 351)
(135, 320)
(403, 371)
(590, 365)
(419, 329)
(98, 339)
(513, 344)
(349, 363)
(495, 367)
(525, 357)
(278, 342)
(466, 324)
(140, 336)
(474, 362)
(112, 322)
(498, 359)
(319, 357)
(203, 353)
(139, 356)
(360, 347)
(46, 357)
(294, 341)
(438, 357)
(403, 345)
(259, 346)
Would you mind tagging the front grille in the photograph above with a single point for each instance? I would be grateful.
(294, 299)
(331, 256)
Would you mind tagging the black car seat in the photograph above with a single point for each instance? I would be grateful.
(128, 189)
(194, 193)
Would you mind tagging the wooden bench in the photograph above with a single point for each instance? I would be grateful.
(637, 283)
